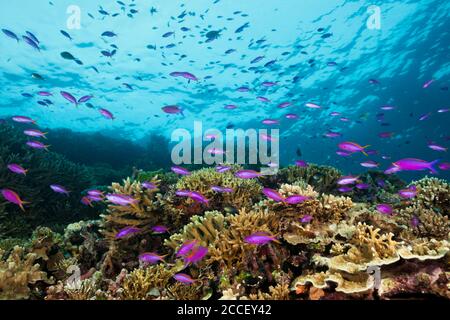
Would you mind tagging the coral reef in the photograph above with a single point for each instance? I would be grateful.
(326, 246)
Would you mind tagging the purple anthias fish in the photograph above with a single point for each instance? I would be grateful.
(216, 151)
(269, 84)
(230, 107)
(45, 93)
(37, 145)
(23, 119)
(410, 164)
(84, 99)
(13, 197)
(392, 169)
(183, 278)
(126, 232)
(362, 186)
(331, 134)
(69, 97)
(185, 75)
(35, 133)
(106, 113)
(312, 105)
(150, 257)
(247, 174)
(263, 99)
(284, 105)
(345, 180)
(424, 116)
(172, 110)
(267, 137)
(180, 170)
(296, 199)
(386, 135)
(198, 197)
(427, 84)
(59, 189)
(159, 229)
(270, 121)
(345, 189)
(196, 254)
(95, 192)
(370, 164)
(121, 199)
(444, 166)
(149, 185)
(408, 193)
(436, 147)
(243, 89)
(186, 247)
(306, 218)
(352, 147)
(291, 116)
(343, 153)
(222, 169)
(14, 167)
(221, 189)
(273, 194)
(385, 209)
(415, 222)
(183, 193)
(301, 163)
(259, 238)
(86, 201)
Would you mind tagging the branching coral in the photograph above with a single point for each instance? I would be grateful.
(244, 191)
(430, 224)
(146, 283)
(322, 178)
(18, 273)
(433, 194)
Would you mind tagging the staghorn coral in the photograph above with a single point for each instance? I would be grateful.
(433, 194)
(139, 284)
(143, 214)
(18, 273)
(245, 192)
(431, 224)
(224, 236)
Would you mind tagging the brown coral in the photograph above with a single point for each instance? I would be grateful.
(18, 273)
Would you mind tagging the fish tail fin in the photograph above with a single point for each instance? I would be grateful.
(44, 135)
(46, 147)
(431, 166)
(21, 205)
(363, 152)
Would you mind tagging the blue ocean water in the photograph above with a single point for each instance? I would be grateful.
(325, 52)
